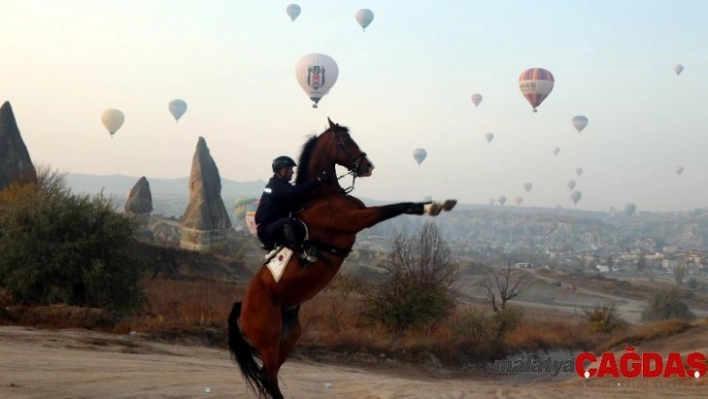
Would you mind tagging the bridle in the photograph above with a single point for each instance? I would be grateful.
(354, 163)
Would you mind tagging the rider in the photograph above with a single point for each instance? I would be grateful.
(274, 222)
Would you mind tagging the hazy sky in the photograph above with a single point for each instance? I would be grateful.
(404, 83)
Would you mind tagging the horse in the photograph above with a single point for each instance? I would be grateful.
(264, 326)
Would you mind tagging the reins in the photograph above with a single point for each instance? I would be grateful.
(350, 188)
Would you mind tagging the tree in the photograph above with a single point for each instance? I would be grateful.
(505, 284)
(418, 290)
(58, 247)
(641, 262)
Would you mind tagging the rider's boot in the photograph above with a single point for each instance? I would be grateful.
(292, 242)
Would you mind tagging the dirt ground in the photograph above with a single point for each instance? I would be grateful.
(83, 364)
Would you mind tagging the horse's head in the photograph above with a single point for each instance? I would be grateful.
(344, 151)
(332, 147)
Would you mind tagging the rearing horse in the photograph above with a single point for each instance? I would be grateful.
(265, 325)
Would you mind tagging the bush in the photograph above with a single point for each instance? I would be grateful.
(418, 288)
(666, 305)
(61, 248)
(472, 325)
(504, 321)
(481, 329)
(604, 318)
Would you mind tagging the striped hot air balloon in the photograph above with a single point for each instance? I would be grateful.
(242, 205)
(536, 84)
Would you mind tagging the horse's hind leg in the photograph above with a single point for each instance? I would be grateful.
(264, 329)
(291, 333)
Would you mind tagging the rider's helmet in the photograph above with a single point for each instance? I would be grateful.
(282, 161)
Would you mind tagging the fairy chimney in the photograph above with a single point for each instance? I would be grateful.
(15, 162)
(206, 221)
(139, 203)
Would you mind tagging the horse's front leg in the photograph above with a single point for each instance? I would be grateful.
(357, 220)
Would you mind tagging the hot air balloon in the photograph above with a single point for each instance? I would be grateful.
(316, 74)
(364, 18)
(419, 155)
(177, 108)
(579, 171)
(112, 119)
(489, 137)
(476, 99)
(629, 209)
(518, 200)
(536, 84)
(243, 205)
(293, 11)
(570, 184)
(556, 150)
(527, 186)
(575, 196)
(501, 200)
(678, 68)
(678, 170)
(579, 122)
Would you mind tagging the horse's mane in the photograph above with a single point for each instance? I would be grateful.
(306, 154)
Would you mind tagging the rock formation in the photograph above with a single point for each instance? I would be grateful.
(206, 222)
(139, 203)
(15, 162)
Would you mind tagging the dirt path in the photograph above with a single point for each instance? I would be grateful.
(82, 364)
(630, 309)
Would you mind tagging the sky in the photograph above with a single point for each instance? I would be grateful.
(404, 83)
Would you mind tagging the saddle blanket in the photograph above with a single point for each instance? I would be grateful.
(277, 263)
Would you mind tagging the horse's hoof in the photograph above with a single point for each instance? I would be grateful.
(449, 204)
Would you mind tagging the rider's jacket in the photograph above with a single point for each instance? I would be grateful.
(278, 199)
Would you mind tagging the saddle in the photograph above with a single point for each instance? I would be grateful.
(272, 250)
(304, 239)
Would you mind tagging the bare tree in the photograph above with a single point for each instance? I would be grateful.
(426, 257)
(508, 284)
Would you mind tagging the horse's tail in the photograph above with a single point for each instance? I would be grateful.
(243, 354)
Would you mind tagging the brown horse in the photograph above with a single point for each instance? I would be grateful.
(265, 325)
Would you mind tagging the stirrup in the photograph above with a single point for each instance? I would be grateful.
(307, 256)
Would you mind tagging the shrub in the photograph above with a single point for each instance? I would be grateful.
(472, 325)
(60, 248)
(504, 321)
(692, 283)
(418, 288)
(666, 305)
(604, 318)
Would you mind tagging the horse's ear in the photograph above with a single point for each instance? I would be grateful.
(331, 124)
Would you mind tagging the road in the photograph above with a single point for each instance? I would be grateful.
(82, 364)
